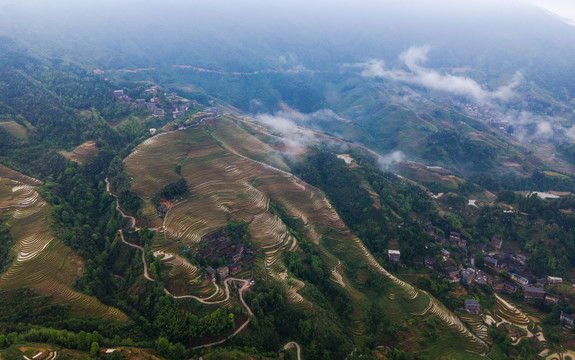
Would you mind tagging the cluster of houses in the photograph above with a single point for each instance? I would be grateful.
(233, 252)
(177, 105)
(466, 272)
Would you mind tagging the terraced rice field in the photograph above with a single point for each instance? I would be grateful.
(14, 128)
(506, 311)
(82, 153)
(225, 184)
(476, 324)
(42, 262)
(236, 139)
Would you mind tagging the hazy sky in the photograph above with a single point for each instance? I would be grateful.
(563, 8)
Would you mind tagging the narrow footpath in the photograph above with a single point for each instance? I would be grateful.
(292, 344)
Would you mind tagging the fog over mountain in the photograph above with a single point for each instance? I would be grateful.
(491, 53)
(316, 34)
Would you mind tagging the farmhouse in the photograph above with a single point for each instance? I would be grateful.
(211, 273)
(533, 293)
(235, 268)
(497, 285)
(491, 262)
(554, 280)
(472, 306)
(454, 236)
(394, 255)
(452, 274)
(496, 242)
(508, 254)
(509, 287)
(235, 256)
(522, 281)
(223, 272)
(467, 276)
(430, 262)
(480, 277)
(440, 240)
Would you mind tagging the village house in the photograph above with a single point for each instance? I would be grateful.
(531, 292)
(497, 285)
(496, 242)
(462, 243)
(118, 93)
(430, 262)
(211, 273)
(554, 280)
(509, 288)
(491, 262)
(418, 260)
(508, 254)
(152, 90)
(223, 272)
(235, 268)
(472, 306)
(568, 319)
(235, 256)
(522, 281)
(454, 236)
(452, 274)
(467, 276)
(445, 253)
(394, 255)
(159, 112)
(481, 277)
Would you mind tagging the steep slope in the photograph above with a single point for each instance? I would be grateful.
(226, 186)
(42, 262)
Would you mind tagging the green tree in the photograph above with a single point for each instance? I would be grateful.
(94, 349)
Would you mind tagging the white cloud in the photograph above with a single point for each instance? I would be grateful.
(295, 138)
(544, 130)
(570, 133)
(432, 79)
(387, 160)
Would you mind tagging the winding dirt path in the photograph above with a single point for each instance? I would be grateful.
(119, 209)
(292, 344)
